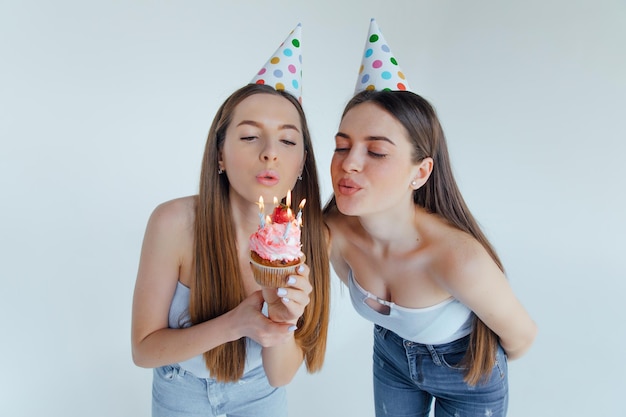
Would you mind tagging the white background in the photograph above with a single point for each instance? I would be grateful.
(104, 111)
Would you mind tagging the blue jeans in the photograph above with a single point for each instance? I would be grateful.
(408, 375)
(178, 393)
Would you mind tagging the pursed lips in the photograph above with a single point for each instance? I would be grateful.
(347, 186)
(268, 177)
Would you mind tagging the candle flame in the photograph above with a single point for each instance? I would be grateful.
(299, 216)
(288, 198)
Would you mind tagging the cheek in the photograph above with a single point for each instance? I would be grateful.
(230, 153)
(291, 165)
(388, 182)
(233, 160)
(335, 165)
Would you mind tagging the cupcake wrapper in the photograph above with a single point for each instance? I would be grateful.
(273, 276)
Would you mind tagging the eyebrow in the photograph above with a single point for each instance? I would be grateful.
(369, 138)
(256, 124)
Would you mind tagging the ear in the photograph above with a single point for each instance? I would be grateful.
(422, 173)
(220, 161)
(302, 164)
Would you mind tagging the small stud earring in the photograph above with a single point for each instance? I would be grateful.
(300, 177)
(220, 171)
(414, 183)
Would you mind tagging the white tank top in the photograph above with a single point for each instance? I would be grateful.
(442, 323)
(179, 318)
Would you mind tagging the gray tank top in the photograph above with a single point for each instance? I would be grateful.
(179, 318)
(442, 323)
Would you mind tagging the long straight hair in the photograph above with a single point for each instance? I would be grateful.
(439, 195)
(217, 287)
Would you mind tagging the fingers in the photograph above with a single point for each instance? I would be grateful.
(290, 301)
(291, 294)
(273, 334)
(287, 303)
(248, 316)
(297, 287)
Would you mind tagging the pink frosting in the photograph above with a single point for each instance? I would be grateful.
(269, 242)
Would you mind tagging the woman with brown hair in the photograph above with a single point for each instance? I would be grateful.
(219, 342)
(415, 260)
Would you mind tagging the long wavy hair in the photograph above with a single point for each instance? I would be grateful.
(439, 195)
(217, 286)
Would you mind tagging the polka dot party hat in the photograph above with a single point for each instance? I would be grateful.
(283, 70)
(379, 67)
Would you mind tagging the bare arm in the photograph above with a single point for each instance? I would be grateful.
(286, 305)
(474, 279)
(281, 362)
(167, 246)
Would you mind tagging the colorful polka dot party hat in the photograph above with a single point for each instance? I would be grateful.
(283, 70)
(379, 67)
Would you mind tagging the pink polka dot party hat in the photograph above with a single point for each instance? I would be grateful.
(379, 67)
(283, 70)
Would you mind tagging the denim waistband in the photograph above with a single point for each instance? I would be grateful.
(456, 346)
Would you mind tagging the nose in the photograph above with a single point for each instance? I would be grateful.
(352, 162)
(269, 152)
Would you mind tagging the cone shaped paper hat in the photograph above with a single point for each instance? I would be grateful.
(379, 67)
(283, 70)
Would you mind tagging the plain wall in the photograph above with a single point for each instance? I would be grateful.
(104, 111)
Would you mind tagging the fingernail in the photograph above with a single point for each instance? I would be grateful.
(293, 328)
(291, 281)
(281, 292)
(301, 268)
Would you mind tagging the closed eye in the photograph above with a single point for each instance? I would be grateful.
(288, 142)
(377, 155)
(370, 153)
(249, 138)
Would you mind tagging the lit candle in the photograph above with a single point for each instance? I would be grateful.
(299, 216)
(288, 198)
(261, 211)
(289, 214)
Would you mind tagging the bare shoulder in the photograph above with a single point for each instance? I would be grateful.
(341, 225)
(179, 212)
(171, 225)
(341, 230)
(332, 217)
(168, 241)
(460, 259)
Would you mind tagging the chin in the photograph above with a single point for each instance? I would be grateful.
(347, 208)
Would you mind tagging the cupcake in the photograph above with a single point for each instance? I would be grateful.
(275, 248)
